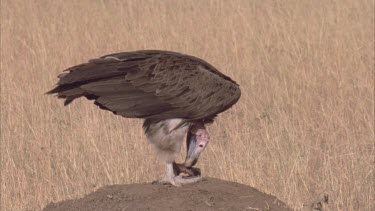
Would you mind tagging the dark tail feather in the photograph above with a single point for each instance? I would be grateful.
(69, 92)
(53, 91)
(70, 99)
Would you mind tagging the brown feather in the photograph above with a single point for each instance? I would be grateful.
(151, 84)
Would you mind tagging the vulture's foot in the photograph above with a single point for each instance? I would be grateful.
(181, 169)
(181, 180)
(178, 179)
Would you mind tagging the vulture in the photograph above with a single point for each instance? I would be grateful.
(175, 94)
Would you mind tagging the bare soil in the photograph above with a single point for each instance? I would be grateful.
(209, 194)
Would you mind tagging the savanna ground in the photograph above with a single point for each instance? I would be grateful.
(210, 194)
(303, 127)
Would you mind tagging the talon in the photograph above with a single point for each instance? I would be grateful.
(174, 181)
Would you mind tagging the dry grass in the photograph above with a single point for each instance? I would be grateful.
(303, 127)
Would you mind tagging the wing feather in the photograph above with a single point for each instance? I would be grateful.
(151, 84)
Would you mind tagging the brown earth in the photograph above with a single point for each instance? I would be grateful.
(209, 194)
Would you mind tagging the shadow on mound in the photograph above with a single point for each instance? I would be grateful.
(209, 194)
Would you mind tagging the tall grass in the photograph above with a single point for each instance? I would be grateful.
(304, 126)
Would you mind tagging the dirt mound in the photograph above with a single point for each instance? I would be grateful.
(209, 194)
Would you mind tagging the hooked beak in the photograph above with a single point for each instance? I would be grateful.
(195, 145)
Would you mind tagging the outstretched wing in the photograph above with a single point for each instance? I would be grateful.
(150, 84)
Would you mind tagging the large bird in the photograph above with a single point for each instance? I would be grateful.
(176, 94)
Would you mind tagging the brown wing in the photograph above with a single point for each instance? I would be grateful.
(150, 84)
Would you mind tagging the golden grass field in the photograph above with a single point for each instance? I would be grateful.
(304, 126)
